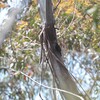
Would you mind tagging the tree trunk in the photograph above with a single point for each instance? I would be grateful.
(63, 78)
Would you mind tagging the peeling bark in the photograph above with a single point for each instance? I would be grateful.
(63, 78)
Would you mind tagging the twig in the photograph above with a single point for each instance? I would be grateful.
(41, 41)
(56, 89)
(69, 23)
(56, 6)
(40, 96)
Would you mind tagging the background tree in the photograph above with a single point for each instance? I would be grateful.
(78, 33)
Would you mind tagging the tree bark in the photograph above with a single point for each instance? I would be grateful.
(64, 79)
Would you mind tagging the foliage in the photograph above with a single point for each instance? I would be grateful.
(79, 22)
(78, 30)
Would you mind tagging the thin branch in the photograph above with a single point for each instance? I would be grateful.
(41, 96)
(56, 89)
(59, 1)
(69, 23)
